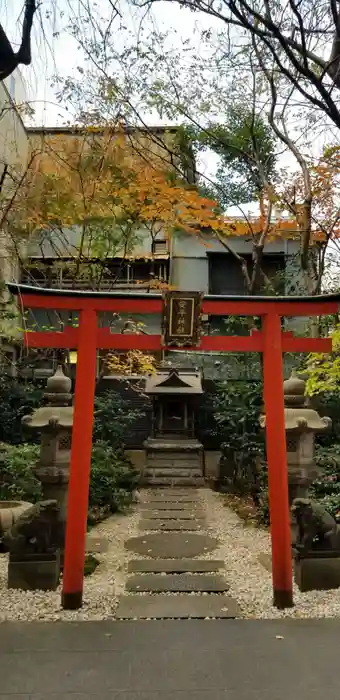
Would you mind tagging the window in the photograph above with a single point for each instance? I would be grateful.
(225, 274)
(160, 247)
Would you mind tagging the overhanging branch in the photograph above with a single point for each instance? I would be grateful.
(9, 59)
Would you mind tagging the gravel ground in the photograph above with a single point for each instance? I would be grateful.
(101, 589)
(250, 583)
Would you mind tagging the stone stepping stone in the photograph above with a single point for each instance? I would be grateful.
(96, 545)
(171, 525)
(172, 514)
(172, 499)
(176, 583)
(189, 507)
(181, 606)
(173, 492)
(174, 566)
(171, 545)
(265, 560)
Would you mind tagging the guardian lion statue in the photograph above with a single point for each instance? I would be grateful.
(35, 531)
(317, 529)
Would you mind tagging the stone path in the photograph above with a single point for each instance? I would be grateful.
(169, 580)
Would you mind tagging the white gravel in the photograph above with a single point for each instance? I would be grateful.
(250, 583)
(101, 589)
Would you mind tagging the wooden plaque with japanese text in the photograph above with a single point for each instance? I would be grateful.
(181, 319)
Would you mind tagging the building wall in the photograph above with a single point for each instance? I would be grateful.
(14, 144)
(157, 145)
(189, 268)
(14, 153)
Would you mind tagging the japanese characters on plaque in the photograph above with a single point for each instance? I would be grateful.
(181, 318)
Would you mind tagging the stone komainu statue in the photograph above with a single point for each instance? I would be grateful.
(35, 531)
(317, 529)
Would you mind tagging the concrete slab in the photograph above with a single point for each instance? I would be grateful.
(174, 566)
(171, 545)
(168, 505)
(176, 583)
(170, 659)
(172, 514)
(178, 525)
(95, 545)
(183, 605)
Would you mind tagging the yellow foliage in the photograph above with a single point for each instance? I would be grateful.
(134, 362)
(323, 371)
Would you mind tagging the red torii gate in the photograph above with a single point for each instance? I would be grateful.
(88, 337)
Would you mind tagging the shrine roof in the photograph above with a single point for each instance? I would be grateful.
(174, 382)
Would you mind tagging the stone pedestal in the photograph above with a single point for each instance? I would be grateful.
(34, 572)
(317, 573)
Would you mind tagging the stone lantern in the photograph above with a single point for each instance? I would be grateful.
(54, 423)
(302, 422)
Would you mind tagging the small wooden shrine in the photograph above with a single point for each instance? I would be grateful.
(174, 393)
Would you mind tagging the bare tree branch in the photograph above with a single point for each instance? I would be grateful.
(9, 59)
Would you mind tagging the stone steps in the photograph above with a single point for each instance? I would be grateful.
(171, 582)
(173, 477)
(169, 465)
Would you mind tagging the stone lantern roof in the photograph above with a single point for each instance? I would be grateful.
(58, 413)
(299, 416)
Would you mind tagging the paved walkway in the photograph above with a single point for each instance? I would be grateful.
(170, 660)
(174, 578)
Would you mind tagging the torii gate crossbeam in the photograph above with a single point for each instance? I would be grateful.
(88, 337)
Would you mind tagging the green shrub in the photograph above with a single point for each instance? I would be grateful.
(237, 409)
(16, 476)
(326, 489)
(17, 400)
(112, 418)
(113, 479)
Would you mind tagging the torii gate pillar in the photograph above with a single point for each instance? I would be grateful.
(277, 455)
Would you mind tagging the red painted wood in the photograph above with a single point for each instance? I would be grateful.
(213, 343)
(143, 306)
(150, 306)
(68, 338)
(260, 308)
(277, 462)
(78, 492)
(291, 344)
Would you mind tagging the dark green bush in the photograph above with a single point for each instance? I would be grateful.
(237, 410)
(326, 489)
(16, 477)
(17, 400)
(113, 479)
(112, 418)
